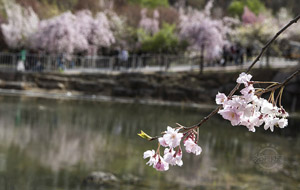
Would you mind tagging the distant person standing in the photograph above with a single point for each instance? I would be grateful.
(123, 57)
(225, 56)
(249, 52)
(21, 62)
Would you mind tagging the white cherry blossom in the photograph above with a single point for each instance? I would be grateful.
(172, 137)
(161, 165)
(231, 114)
(221, 98)
(162, 142)
(153, 157)
(192, 147)
(248, 93)
(244, 78)
(282, 123)
(173, 157)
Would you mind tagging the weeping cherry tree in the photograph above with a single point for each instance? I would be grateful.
(21, 24)
(203, 33)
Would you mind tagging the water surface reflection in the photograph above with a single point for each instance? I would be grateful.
(54, 144)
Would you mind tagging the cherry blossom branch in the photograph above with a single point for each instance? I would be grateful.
(272, 88)
(248, 109)
(280, 84)
(248, 70)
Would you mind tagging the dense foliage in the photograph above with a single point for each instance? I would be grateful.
(151, 3)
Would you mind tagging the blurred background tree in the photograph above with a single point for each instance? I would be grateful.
(236, 7)
(164, 41)
(144, 25)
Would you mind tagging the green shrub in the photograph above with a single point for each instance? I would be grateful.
(164, 41)
(151, 3)
(236, 7)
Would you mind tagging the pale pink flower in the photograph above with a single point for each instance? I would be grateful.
(172, 138)
(248, 93)
(231, 114)
(173, 157)
(153, 157)
(192, 147)
(162, 142)
(257, 102)
(246, 122)
(161, 165)
(244, 78)
(221, 98)
(282, 123)
(235, 102)
(257, 119)
(251, 122)
(248, 110)
(282, 113)
(268, 108)
(270, 122)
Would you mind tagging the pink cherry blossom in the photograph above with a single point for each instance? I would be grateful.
(244, 78)
(192, 147)
(270, 122)
(161, 165)
(153, 157)
(173, 157)
(282, 113)
(172, 138)
(282, 123)
(231, 114)
(248, 93)
(221, 98)
(248, 111)
(162, 142)
(236, 102)
(150, 25)
(268, 108)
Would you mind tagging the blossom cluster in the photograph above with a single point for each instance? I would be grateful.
(66, 33)
(203, 32)
(173, 153)
(21, 24)
(250, 110)
(150, 25)
(71, 33)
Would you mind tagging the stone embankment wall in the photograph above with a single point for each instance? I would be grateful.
(179, 87)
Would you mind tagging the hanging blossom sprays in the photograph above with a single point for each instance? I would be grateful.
(171, 140)
(250, 109)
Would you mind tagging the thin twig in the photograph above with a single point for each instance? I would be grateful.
(237, 86)
(280, 84)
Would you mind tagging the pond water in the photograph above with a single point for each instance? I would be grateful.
(56, 144)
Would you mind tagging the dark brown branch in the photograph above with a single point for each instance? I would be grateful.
(248, 70)
(280, 84)
(290, 77)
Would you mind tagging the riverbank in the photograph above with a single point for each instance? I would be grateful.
(161, 88)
